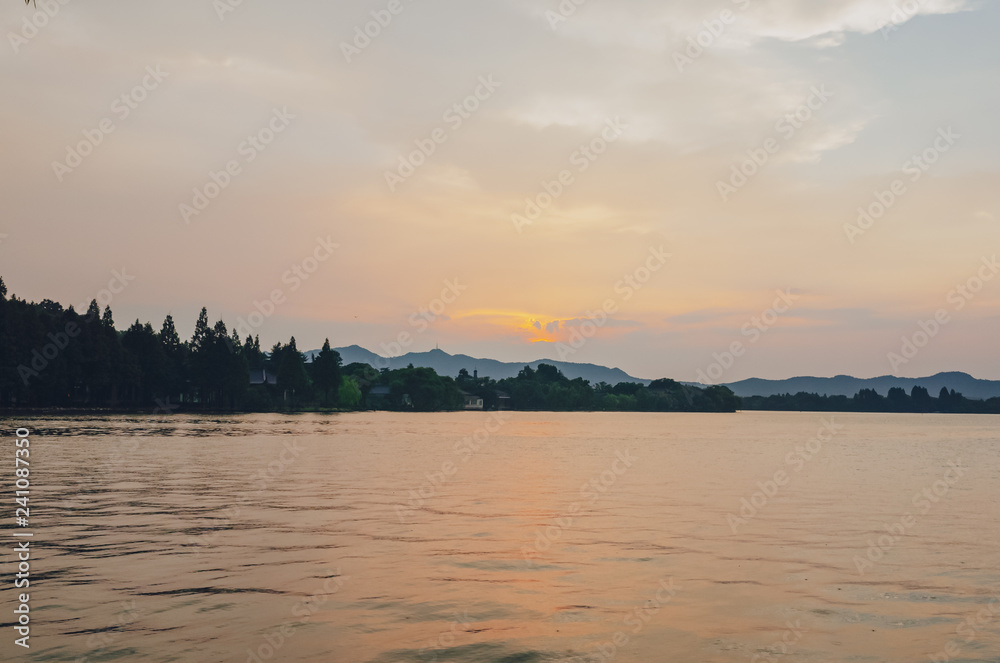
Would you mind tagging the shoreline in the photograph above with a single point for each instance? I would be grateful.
(69, 412)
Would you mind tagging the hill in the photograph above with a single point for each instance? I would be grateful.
(845, 385)
(448, 364)
(840, 385)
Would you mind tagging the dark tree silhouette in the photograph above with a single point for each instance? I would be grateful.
(291, 371)
(52, 356)
(325, 373)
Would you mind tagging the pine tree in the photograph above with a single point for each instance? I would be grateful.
(202, 333)
(202, 371)
(326, 374)
(174, 361)
(292, 375)
(169, 338)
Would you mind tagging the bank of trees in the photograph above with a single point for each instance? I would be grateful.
(52, 356)
(546, 388)
(919, 400)
(417, 389)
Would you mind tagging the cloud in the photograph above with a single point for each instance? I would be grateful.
(452, 218)
(827, 138)
(610, 323)
(799, 20)
(657, 27)
(699, 318)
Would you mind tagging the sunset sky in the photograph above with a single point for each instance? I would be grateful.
(834, 99)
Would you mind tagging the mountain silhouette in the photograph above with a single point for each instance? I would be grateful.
(840, 385)
(845, 385)
(448, 364)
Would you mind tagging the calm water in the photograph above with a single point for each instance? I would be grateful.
(543, 537)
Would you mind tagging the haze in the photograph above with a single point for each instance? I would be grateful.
(555, 158)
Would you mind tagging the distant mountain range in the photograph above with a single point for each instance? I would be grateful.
(446, 364)
(841, 385)
(845, 385)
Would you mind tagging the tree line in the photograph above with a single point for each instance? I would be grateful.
(55, 357)
(918, 400)
(52, 356)
(546, 388)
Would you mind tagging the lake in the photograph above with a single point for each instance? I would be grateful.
(512, 537)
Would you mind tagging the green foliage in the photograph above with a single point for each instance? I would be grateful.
(548, 389)
(349, 394)
(364, 376)
(421, 390)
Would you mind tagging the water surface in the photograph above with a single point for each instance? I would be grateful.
(381, 537)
